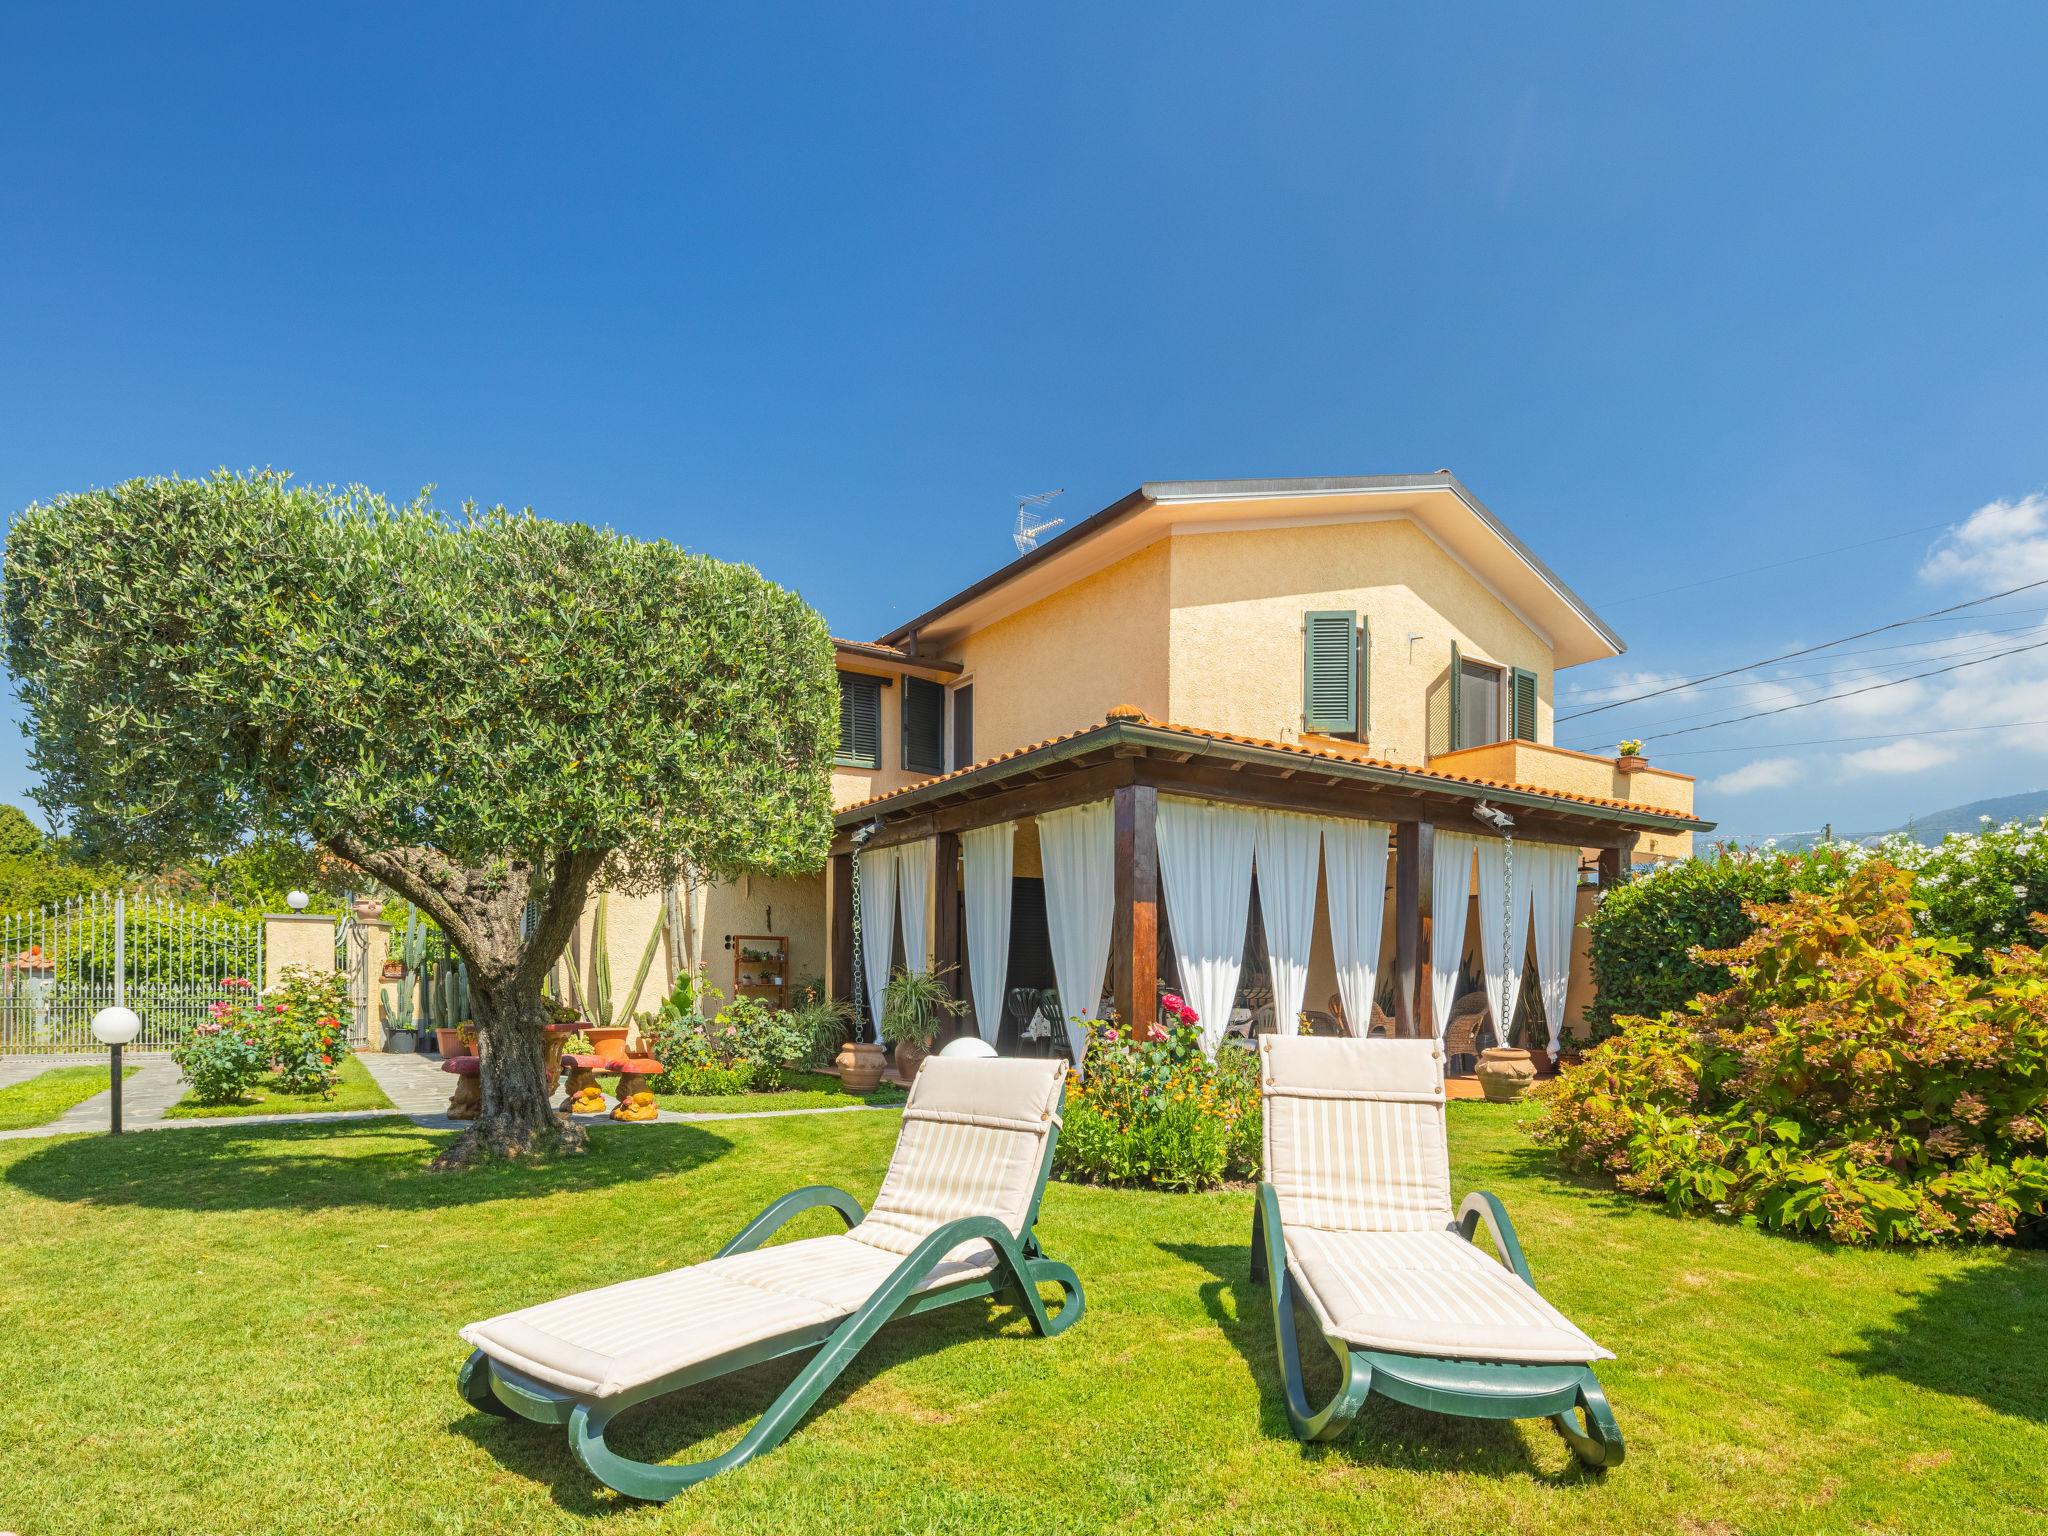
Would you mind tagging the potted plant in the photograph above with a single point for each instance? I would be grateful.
(1631, 759)
(861, 1064)
(399, 1036)
(915, 1007)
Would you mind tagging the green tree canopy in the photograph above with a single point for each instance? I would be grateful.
(18, 834)
(473, 708)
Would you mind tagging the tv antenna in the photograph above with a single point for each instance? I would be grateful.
(1032, 521)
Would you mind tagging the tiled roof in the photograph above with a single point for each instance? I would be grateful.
(893, 653)
(1325, 749)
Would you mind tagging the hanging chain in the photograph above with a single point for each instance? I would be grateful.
(1507, 935)
(860, 975)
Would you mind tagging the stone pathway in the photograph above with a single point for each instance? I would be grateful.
(416, 1086)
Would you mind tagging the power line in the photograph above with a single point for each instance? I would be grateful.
(1819, 554)
(1847, 693)
(1970, 649)
(1808, 650)
(1837, 741)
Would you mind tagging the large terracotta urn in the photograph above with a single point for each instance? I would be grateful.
(1505, 1073)
(860, 1064)
(910, 1055)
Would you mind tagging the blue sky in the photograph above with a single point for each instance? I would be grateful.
(1677, 293)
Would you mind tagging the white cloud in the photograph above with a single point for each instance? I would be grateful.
(2000, 545)
(1913, 755)
(1763, 773)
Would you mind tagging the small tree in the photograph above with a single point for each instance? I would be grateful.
(480, 711)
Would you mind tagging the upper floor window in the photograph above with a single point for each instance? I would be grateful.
(860, 721)
(924, 726)
(1490, 703)
(1333, 672)
(963, 725)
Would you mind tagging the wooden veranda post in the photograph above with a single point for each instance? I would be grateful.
(947, 952)
(1407, 932)
(1134, 942)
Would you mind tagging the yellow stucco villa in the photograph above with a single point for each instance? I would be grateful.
(1284, 746)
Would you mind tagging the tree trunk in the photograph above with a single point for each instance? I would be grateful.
(517, 1120)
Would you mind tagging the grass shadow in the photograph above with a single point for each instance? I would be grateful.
(1387, 1434)
(1975, 1334)
(375, 1164)
(704, 1421)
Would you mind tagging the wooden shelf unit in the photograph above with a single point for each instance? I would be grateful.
(760, 967)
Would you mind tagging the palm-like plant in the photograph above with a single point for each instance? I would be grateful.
(916, 1005)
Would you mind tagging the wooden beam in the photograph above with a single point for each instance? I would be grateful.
(1134, 940)
(1408, 1023)
(947, 953)
(1030, 799)
(839, 897)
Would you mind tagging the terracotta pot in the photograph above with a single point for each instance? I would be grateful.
(860, 1065)
(367, 909)
(1505, 1073)
(394, 970)
(910, 1056)
(449, 1042)
(1631, 763)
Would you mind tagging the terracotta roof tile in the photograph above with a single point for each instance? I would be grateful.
(1324, 748)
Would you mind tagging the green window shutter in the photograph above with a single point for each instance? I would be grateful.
(924, 726)
(1329, 667)
(1522, 693)
(860, 721)
(1364, 676)
(1457, 697)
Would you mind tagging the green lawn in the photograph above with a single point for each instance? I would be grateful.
(809, 1090)
(354, 1088)
(252, 1329)
(42, 1098)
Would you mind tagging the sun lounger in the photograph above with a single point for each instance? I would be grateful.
(1355, 1217)
(952, 1222)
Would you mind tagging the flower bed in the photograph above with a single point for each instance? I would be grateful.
(1151, 1109)
(294, 1033)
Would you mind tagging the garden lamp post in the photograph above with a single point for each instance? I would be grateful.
(297, 900)
(115, 1027)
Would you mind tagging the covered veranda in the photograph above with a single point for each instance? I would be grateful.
(1266, 882)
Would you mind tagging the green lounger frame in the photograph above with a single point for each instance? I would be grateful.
(1473, 1389)
(1021, 1267)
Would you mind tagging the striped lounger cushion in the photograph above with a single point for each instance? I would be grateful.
(972, 1142)
(1355, 1149)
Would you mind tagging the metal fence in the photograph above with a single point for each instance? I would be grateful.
(61, 964)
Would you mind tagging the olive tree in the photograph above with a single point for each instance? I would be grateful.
(482, 711)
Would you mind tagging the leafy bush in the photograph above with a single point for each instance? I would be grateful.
(740, 1077)
(1977, 887)
(1850, 1081)
(305, 1036)
(745, 1033)
(1156, 1111)
(224, 1055)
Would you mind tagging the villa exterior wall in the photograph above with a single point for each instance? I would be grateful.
(1237, 600)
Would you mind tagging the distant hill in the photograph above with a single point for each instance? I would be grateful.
(1935, 825)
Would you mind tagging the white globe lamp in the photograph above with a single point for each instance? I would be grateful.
(969, 1045)
(297, 900)
(114, 1027)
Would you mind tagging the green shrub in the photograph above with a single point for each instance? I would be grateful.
(224, 1054)
(740, 1077)
(1852, 1080)
(1156, 1111)
(1644, 933)
(1976, 887)
(304, 1033)
(744, 1034)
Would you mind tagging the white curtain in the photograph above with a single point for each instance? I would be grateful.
(1077, 848)
(877, 925)
(1205, 865)
(1355, 875)
(914, 887)
(1286, 845)
(1450, 885)
(989, 857)
(1494, 891)
(1553, 912)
